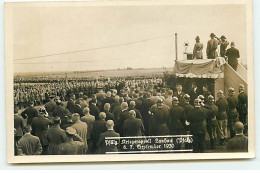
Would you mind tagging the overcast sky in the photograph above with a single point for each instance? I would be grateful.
(40, 31)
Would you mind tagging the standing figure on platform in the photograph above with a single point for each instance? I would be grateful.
(212, 46)
(197, 50)
(233, 55)
(223, 45)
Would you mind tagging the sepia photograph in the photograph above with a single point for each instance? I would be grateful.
(129, 80)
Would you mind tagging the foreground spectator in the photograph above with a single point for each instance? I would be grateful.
(29, 144)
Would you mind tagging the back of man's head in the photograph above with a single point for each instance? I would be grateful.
(110, 124)
(106, 106)
(238, 127)
(124, 105)
(117, 98)
(109, 94)
(132, 103)
(86, 111)
(75, 117)
(102, 115)
(132, 113)
(27, 128)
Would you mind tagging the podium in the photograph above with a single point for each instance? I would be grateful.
(187, 56)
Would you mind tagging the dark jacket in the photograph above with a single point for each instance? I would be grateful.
(197, 120)
(222, 105)
(94, 110)
(31, 112)
(70, 106)
(232, 54)
(61, 112)
(177, 120)
(109, 116)
(18, 125)
(133, 127)
(119, 124)
(98, 128)
(40, 126)
(102, 147)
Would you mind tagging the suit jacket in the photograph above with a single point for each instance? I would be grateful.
(119, 125)
(98, 128)
(31, 112)
(56, 136)
(70, 106)
(133, 127)
(94, 110)
(89, 119)
(103, 147)
(237, 144)
(197, 120)
(109, 116)
(29, 145)
(193, 95)
(177, 120)
(18, 125)
(40, 126)
(232, 54)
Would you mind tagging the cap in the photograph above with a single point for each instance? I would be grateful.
(42, 110)
(201, 97)
(51, 96)
(175, 99)
(186, 96)
(220, 92)
(197, 100)
(159, 100)
(222, 37)
(211, 98)
(212, 35)
(231, 90)
(71, 131)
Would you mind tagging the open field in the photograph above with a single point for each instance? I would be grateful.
(101, 73)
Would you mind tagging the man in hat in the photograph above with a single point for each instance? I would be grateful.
(240, 142)
(159, 119)
(242, 104)
(29, 113)
(29, 144)
(113, 146)
(71, 147)
(56, 136)
(40, 126)
(197, 120)
(178, 119)
(133, 126)
(222, 117)
(233, 115)
(197, 50)
(233, 55)
(212, 46)
(223, 45)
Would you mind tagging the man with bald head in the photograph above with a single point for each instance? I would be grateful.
(133, 126)
(240, 142)
(103, 145)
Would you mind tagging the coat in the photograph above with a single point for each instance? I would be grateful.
(50, 106)
(56, 136)
(119, 125)
(18, 125)
(71, 148)
(70, 106)
(133, 127)
(94, 110)
(212, 46)
(232, 54)
(29, 145)
(31, 112)
(237, 144)
(177, 120)
(197, 120)
(40, 126)
(222, 105)
(109, 116)
(89, 119)
(98, 128)
(102, 147)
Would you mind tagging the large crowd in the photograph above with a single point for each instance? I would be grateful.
(75, 117)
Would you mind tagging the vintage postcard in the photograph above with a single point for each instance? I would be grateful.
(101, 81)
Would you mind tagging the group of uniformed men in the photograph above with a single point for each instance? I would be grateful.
(79, 126)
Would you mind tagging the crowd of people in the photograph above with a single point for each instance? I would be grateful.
(73, 119)
(231, 54)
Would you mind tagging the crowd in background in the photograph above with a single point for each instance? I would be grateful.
(75, 117)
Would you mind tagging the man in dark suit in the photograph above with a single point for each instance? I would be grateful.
(132, 107)
(133, 126)
(71, 103)
(240, 142)
(109, 115)
(108, 99)
(40, 126)
(60, 111)
(212, 46)
(56, 136)
(29, 113)
(122, 117)
(179, 93)
(194, 93)
(103, 147)
(94, 110)
(29, 144)
(242, 105)
(198, 126)
(233, 115)
(50, 106)
(232, 55)
(99, 127)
